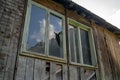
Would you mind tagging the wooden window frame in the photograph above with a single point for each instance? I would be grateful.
(92, 45)
(46, 56)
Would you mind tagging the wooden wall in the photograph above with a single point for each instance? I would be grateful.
(108, 52)
(27, 68)
(36, 69)
(11, 16)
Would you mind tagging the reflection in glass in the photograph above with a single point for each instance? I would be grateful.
(74, 43)
(85, 47)
(55, 36)
(71, 41)
(77, 44)
(36, 41)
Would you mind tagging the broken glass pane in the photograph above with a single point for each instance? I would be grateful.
(55, 36)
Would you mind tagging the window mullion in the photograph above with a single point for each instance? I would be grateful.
(64, 39)
(81, 55)
(47, 33)
(74, 46)
(79, 44)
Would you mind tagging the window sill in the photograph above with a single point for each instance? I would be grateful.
(43, 57)
(84, 65)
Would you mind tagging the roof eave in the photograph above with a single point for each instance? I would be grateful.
(69, 4)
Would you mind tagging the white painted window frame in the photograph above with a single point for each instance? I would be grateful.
(91, 41)
(26, 28)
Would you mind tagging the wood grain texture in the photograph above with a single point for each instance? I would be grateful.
(21, 70)
(65, 72)
(52, 71)
(29, 69)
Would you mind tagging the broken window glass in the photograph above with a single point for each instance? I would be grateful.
(55, 36)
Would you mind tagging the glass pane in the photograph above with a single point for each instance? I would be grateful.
(71, 41)
(77, 44)
(85, 47)
(36, 41)
(55, 36)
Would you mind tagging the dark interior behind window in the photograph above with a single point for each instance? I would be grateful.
(85, 47)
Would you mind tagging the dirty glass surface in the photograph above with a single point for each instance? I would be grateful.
(74, 44)
(77, 44)
(71, 43)
(85, 47)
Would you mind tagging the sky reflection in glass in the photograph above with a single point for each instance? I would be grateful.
(36, 33)
(55, 36)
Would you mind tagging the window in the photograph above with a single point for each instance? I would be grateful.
(44, 31)
(81, 46)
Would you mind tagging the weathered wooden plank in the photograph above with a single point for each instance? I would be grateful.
(113, 54)
(43, 71)
(3, 61)
(29, 69)
(65, 70)
(52, 71)
(103, 56)
(20, 75)
(10, 64)
(73, 73)
(87, 74)
(39, 70)
(59, 74)
(52, 5)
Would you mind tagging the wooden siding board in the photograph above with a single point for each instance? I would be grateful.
(52, 5)
(107, 52)
(98, 51)
(52, 71)
(29, 69)
(9, 71)
(113, 54)
(43, 71)
(10, 22)
(39, 70)
(20, 75)
(104, 54)
(65, 70)
(73, 73)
